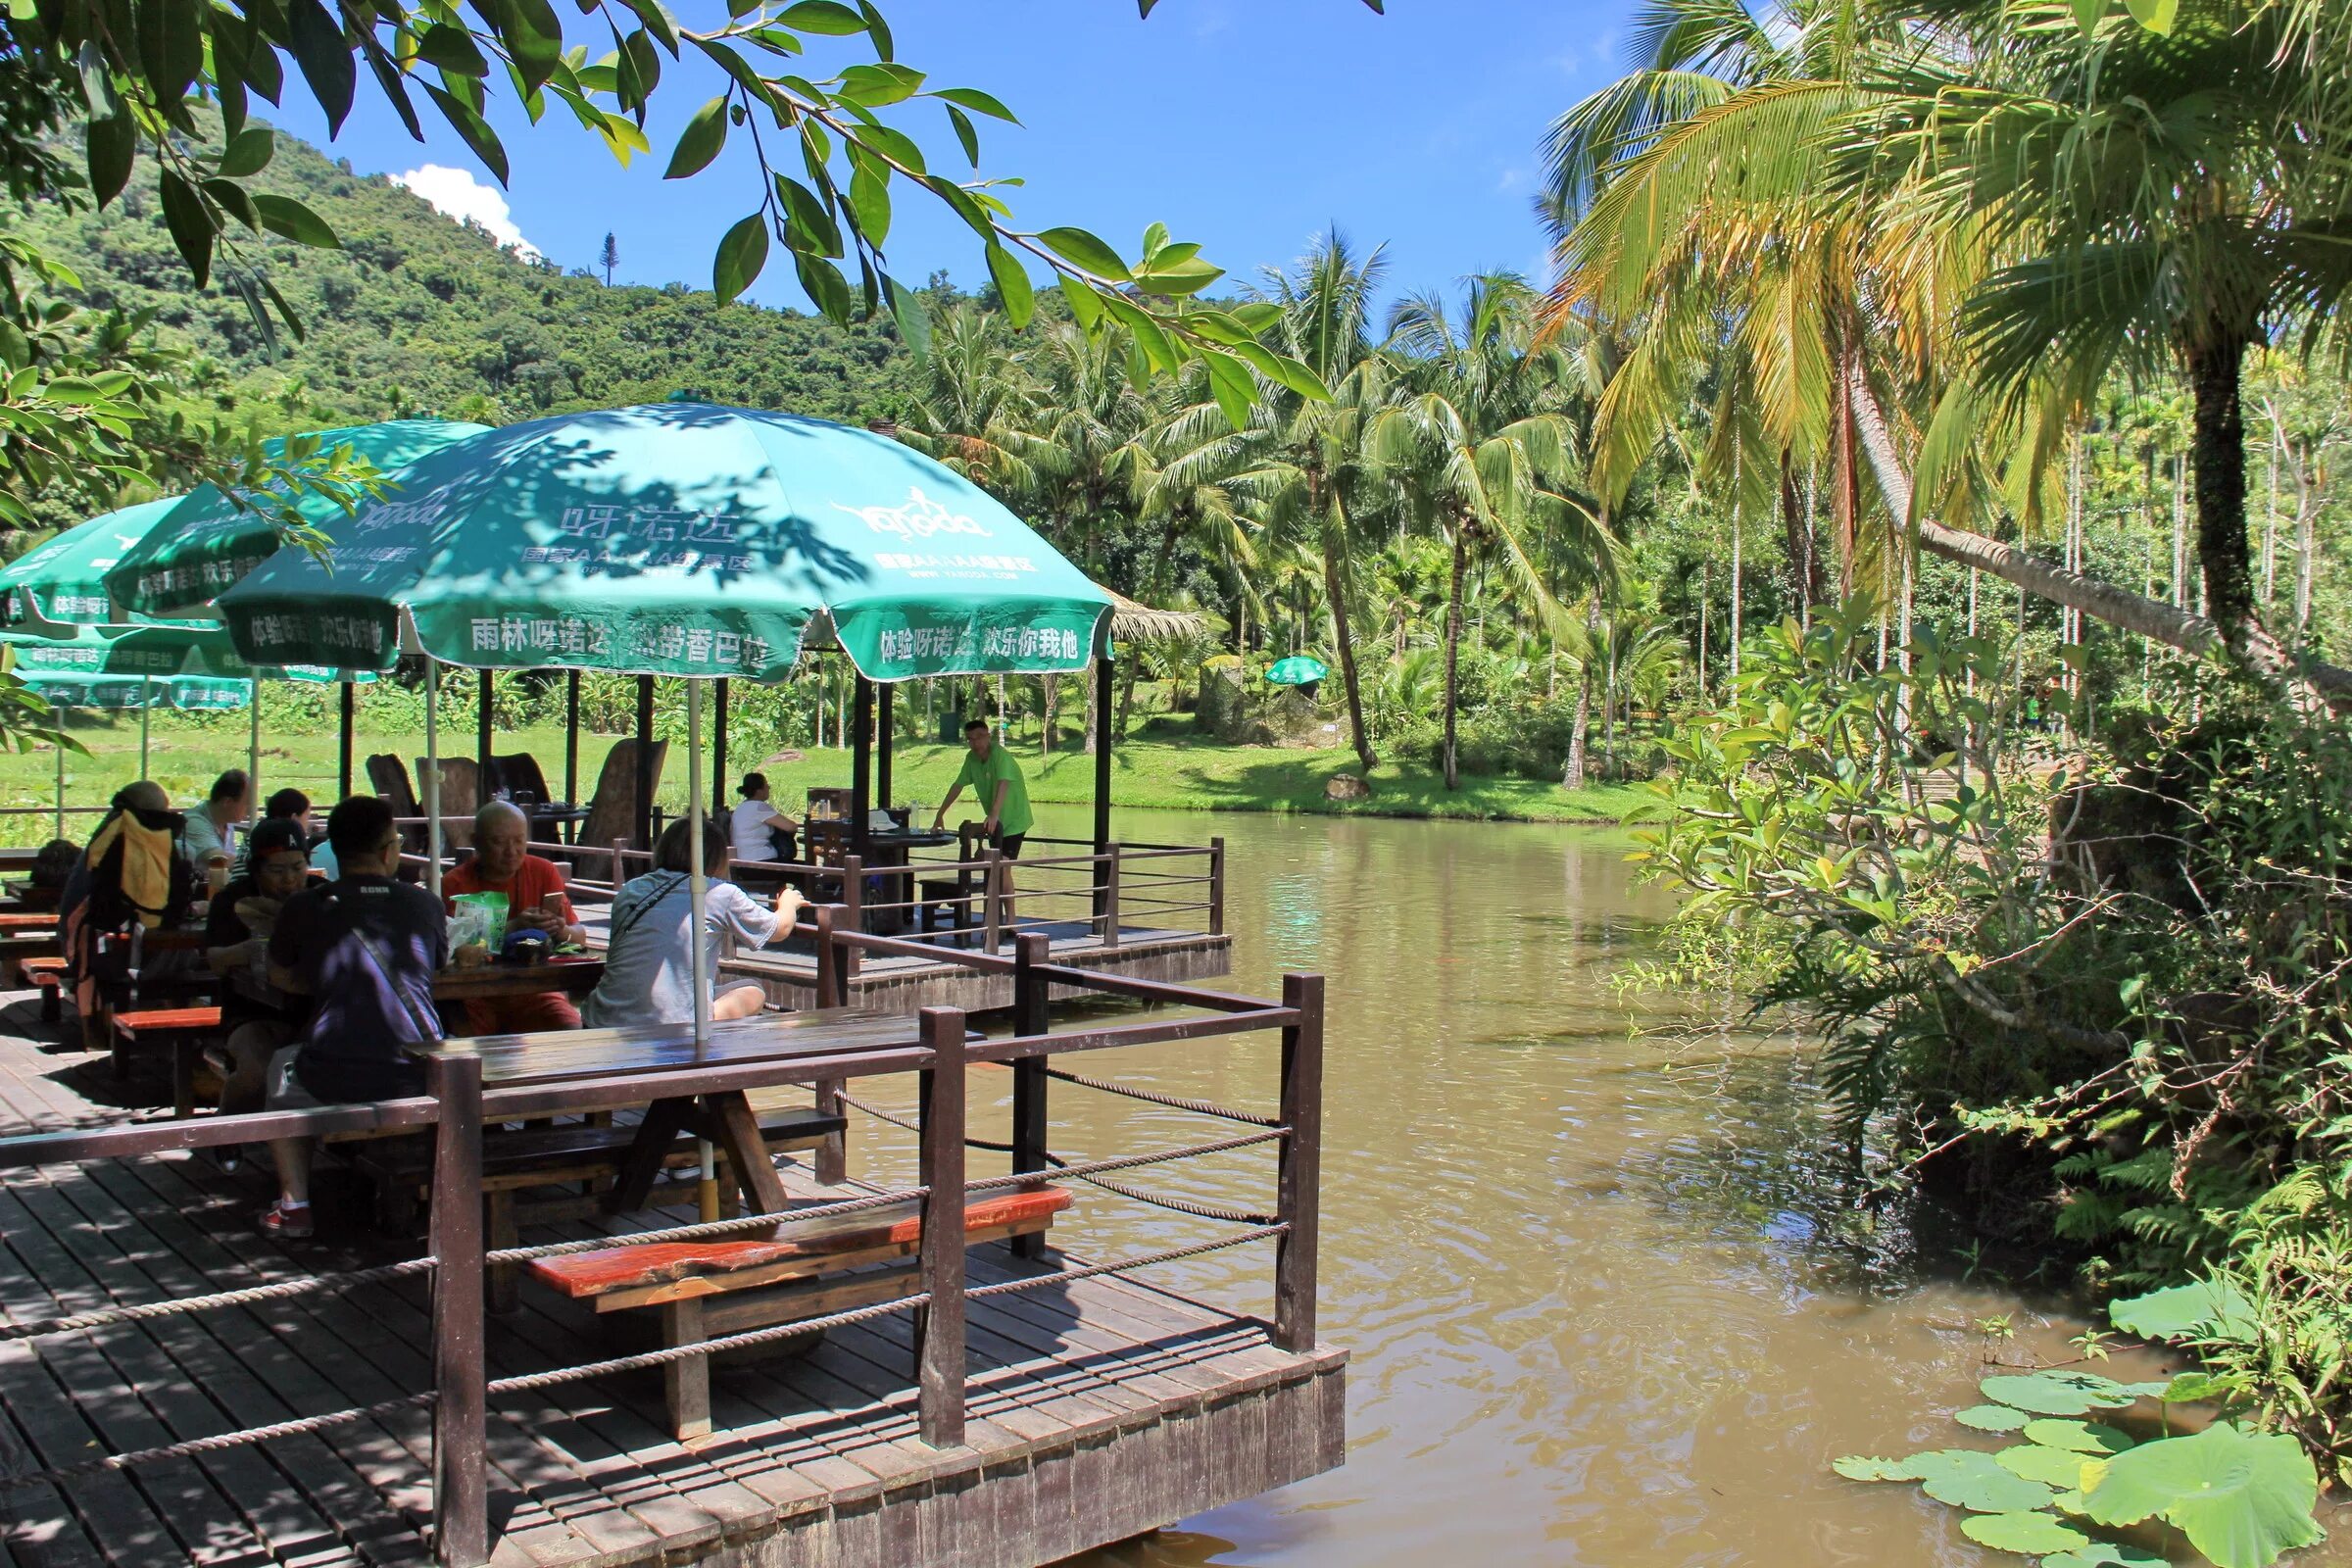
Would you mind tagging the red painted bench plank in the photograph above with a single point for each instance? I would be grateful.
(169, 1020)
(618, 1268)
(43, 971)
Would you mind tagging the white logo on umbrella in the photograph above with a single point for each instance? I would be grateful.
(919, 519)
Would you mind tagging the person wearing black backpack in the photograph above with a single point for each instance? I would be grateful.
(362, 952)
(131, 876)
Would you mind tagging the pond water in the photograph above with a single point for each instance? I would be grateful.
(1589, 1276)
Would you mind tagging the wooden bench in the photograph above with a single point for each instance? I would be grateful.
(48, 977)
(184, 1029)
(712, 1289)
(949, 899)
(516, 1160)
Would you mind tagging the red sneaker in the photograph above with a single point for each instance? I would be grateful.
(287, 1224)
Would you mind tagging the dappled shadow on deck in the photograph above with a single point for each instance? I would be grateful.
(1169, 1405)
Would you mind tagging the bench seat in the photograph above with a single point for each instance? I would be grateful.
(808, 1269)
(48, 977)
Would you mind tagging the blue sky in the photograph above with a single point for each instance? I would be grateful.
(1243, 124)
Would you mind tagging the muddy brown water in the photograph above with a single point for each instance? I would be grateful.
(1601, 1305)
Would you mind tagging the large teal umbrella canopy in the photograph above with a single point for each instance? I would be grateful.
(678, 539)
(62, 579)
(208, 540)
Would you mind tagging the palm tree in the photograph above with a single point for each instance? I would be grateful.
(977, 402)
(2167, 200)
(1796, 186)
(1305, 459)
(1485, 447)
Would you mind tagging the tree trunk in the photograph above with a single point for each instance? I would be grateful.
(1796, 534)
(2116, 606)
(1343, 635)
(1453, 643)
(1735, 606)
(2217, 438)
(1573, 776)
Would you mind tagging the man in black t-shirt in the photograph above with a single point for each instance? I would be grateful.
(365, 950)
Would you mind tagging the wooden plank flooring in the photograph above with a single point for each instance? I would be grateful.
(1099, 1408)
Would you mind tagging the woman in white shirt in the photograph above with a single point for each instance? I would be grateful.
(759, 831)
(649, 968)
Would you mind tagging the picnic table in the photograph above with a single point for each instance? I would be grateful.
(658, 1051)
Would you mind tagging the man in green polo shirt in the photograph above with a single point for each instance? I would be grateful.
(995, 779)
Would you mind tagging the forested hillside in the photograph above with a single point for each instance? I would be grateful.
(418, 314)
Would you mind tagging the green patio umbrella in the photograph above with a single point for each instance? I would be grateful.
(678, 539)
(207, 541)
(63, 580)
(1297, 670)
(674, 539)
(62, 689)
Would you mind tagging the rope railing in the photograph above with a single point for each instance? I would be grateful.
(253, 1296)
(533, 1382)
(1198, 1107)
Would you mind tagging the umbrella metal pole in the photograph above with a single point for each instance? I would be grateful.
(861, 763)
(719, 753)
(1104, 683)
(481, 741)
(571, 737)
(883, 726)
(146, 714)
(61, 777)
(253, 753)
(697, 894)
(347, 731)
(642, 829)
(432, 779)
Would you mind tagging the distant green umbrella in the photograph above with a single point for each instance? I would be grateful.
(678, 539)
(62, 579)
(1297, 670)
(188, 693)
(208, 541)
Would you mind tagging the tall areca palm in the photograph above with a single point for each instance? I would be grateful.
(1308, 458)
(1485, 445)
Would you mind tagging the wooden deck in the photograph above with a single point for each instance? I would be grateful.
(1099, 1408)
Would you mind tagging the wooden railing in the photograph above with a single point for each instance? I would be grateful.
(457, 1106)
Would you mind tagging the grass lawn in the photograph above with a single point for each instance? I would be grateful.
(186, 753)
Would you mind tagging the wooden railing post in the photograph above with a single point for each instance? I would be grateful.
(1032, 1015)
(1216, 887)
(1300, 1177)
(853, 895)
(460, 1390)
(938, 1331)
(1111, 895)
(992, 887)
(620, 865)
(832, 1164)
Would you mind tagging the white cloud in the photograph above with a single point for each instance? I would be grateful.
(456, 193)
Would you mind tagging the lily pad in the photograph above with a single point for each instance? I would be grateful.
(1993, 1417)
(2058, 1393)
(2052, 1467)
(2185, 1311)
(2078, 1437)
(1864, 1467)
(1982, 1485)
(2028, 1534)
(2240, 1498)
(2105, 1554)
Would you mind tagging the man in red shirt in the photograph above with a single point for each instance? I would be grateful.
(535, 899)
